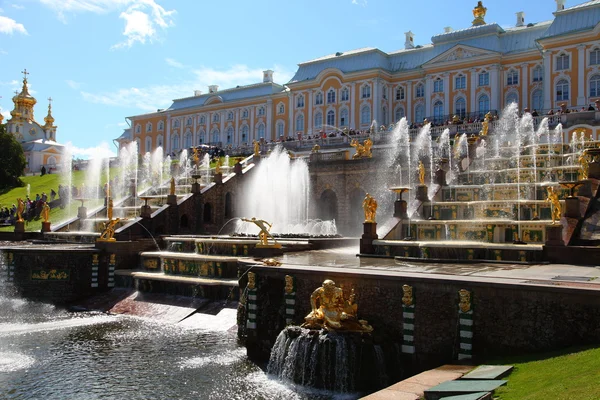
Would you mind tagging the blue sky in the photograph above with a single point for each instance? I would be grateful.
(104, 60)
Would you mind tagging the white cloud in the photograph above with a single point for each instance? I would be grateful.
(360, 2)
(9, 26)
(5, 114)
(17, 6)
(160, 96)
(174, 63)
(100, 151)
(72, 84)
(142, 18)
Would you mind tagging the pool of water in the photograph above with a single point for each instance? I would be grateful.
(46, 353)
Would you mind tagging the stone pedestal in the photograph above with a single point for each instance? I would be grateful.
(20, 226)
(594, 170)
(255, 159)
(237, 168)
(366, 240)
(572, 207)
(218, 178)
(196, 188)
(82, 212)
(172, 199)
(440, 177)
(554, 235)
(145, 211)
(268, 251)
(46, 227)
(422, 193)
(400, 207)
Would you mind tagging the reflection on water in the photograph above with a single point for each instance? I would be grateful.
(47, 353)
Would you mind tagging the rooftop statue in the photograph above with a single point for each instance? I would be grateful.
(479, 13)
(370, 208)
(554, 203)
(330, 311)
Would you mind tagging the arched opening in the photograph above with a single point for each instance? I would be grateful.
(357, 216)
(328, 205)
(207, 214)
(228, 205)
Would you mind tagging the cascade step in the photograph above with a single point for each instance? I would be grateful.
(489, 372)
(462, 387)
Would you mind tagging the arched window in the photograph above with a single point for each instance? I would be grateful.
(230, 135)
(384, 92)
(245, 113)
(400, 93)
(512, 98)
(318, 120)
(175, 142)
(215, 136)
(345, 94)
(261, 131)
(512, 77)
(319, 99)
(438, 111)
(420, 91)
(460, 82)
(460, 107)
(331, 96)
(188, 139)
(230, 115)
(149, 127)
(384, 116)
(562, 90)
(366, 92)
(280, 129)
(344, 117)
(595, 86)
(159, 141)
(201, 137)
(537, 101)
(484, 78)
(365, 115)
(148, 148)
(202, 120)
(483, 105)
(419, 113)
(161, 125)
(189, 121)
(138, 128)
(176, 123)
(261, 111)
(216, 117)
(300, 123)
(331, 118)
(538, 74)
(245, 133)
(438, 85)
(300, 101)
(137, 144)
(562, 62)
(281, 109)
(399, 114)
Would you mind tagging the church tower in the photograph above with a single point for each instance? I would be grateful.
(24, 103)
(49, 127)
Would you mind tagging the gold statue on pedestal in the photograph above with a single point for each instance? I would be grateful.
(368, 144)
(360, 149)
(479, 13)
(20, 209)
(407, 295)
(196, 157)
(264, 233)
(554, 204)
(256, 145)
(465, 300)
(485, 125)
(584, 164)
(370, 208)
(45, 213)
(109, 231)
(421, 173)
(330, 311)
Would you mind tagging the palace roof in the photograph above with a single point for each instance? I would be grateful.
(581, 17)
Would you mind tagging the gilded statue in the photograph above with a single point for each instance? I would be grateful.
(45, 213)
(218, 166)
(407, 296)
(251, 280)
(370, 208)
(465, 300)
(109, 208)
(584, 164)
(172, 187)
(368, 144)
(20, 209)
(256, 145)
(479, 13)
(330, 311)
(109, 230)
(271, 262)
(421, 173)
(316, 148)
(554, 204)
(196, 156)
(264, 233)
(360, 149)
(485, 125)
(289, 284)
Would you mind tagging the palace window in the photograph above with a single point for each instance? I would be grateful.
(512, 78)
(366, 92)
(460, 82)
(384, 116)
(215, 117)
(281, 109)
(261, 131)
(230, 115)
(261, 111)
(201, 137)
(438, 111)
(203, 120)
(215, 136)
(420, 90)
(595, 86)
(161, 125)
(484, 105)
(484, 78)
(538, 74)
(318, 120)
(595, 57)
(512, 98)
(399, 114)
(400, 93)
(365, 115)
(300, 123)
(149, 127)
(537, 102)
(419, 113)
(189, 121)
(344, 117)
(245, 133)
(245, 113)
(148, 144)
(319, 99)
(280, 129)
(176, 123)
(331, 118)
(138, 128)
(175, 142)
(345, 94)
(300, 101)
(562, 90)
(384, 93)
(438, 85)
(230, 135)
(331, 96)
(562, 62)
(188, 140)
(159, 141)
(460, 107)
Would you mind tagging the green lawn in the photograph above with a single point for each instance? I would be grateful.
(569, 374)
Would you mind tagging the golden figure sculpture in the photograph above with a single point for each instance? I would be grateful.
(251, 280)
(407, 297)
(368, 144)
(330, 311)
(218, 166)
(360, 149)
(109, 230)
(109, 209)
(45, 213)
(584, 164)
(172, 187)
(264, 233)
(421, 173)
(289, 284)
(196, 157)
(316, 148)
(455, 119)
(370, 208)
(20, 209)
(256, 145)
(485, 125)
(479, 14)
(465, 300)
(554, 203)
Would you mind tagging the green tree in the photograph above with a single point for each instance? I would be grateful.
(12, 160)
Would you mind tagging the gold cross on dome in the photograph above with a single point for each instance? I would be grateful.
(25, 73)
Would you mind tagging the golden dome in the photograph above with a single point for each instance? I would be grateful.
(24, 98)
(49, 119)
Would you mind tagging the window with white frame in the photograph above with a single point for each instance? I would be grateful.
(245, 133)
(483, 105)
(344, 117)
(460, 82)
(175, 142)
(345, 94)
(384, 93)
(215, 117)
(318, 120)
(537, 101)
(261, 131)
(230, 115)
(281, 109)
(562, 62)
(419, 113)
(245, 113)
(201, 137)
(512, 77)
(230, 135)
(595, 56)
(538, 74)
(366, 92)
(176, 123)
(595, 86)
(202, 120)
(189, 121)
(319, 99)
(399, 114)
(438, 85)
(159, 141)
(512, 98)
(331, 118)
(300, 101)
(280, 129)
(484, 78)
(261, 111)
(562, 90)
(149, 127)
(438, 111)
(420, 90)
(365, 115)
(331, 96)
(399, 93)
(300, 123)
(188, 139)
(161, 125)
(148, 144)
(460, 107)
(215, 136)
(384, 115)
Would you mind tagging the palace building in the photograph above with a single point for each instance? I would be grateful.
(541, 66)
(38, 141)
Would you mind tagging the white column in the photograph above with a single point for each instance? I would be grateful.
(236, 129)
(391, 95)
(222, 134)
(167, 144)
(352, 105)
(269, 119)
(376, 101)
(581, 75)
(447, 105)
(524, 87)
(495, 88)
(251, 135)
(194, 133)
(309, 124)
(208, 117)
(291, 121)
(472, 90)
(547, 80)
(428, 90)
(408, 111)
